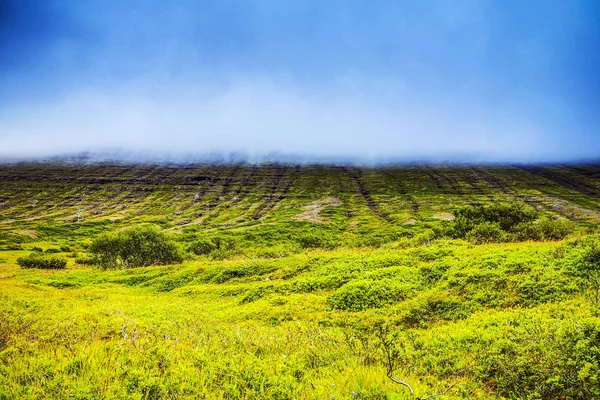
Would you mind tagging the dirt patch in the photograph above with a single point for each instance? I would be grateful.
(312, 210)
(444, 216)
(410, 221)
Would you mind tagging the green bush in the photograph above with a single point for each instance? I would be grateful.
(314, 240)
(588, 268)
(554, 229)
(36, 260)
(501, 222)
(486, 232)
(85, 260)
(219, 247)
(202, 246)
(135, 247)
(14, 247)
(360, 295)
(52, 251)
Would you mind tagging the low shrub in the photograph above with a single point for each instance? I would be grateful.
(314, 240)
(500, 222)
(486, 232)
(52, 251)
(85, 260)
(360, 295)
(202, 246)
(135, 247)
(218, 247)
(36, 260)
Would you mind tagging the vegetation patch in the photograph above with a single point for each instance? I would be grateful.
(37, 260)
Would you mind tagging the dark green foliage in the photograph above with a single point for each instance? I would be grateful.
(241, 271)
(360, 295)
(535, 362)
(37, 249)
(202, 246)
(486, 232)
(14, 238)
(438, 307)
(503, 222)
(13, 247)
(85, 260)
(135, 247)
(431, 274)
(217, 246)
(36, 260)
(588, 267)
(52, 251)
(65, 249)
(313, 240)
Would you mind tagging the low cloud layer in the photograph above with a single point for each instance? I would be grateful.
(486, 81)
(261, 117)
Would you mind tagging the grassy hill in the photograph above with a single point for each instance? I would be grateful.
(313, 282)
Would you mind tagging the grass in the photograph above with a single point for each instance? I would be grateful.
(285, 306)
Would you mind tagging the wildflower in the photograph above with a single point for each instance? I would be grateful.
(224, 395)
(353, 393)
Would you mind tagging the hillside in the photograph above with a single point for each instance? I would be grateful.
(303, 282)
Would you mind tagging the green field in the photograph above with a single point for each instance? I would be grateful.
(302, 282)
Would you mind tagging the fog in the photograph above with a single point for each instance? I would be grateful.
(485, 82)
(256, 119)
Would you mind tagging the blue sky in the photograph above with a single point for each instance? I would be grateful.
(457, 80)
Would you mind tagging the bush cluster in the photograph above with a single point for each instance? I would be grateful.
(363, 294)
(135, 247)
(216, 246)
(37, 260)
(502, 222)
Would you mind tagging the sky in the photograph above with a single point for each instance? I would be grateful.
(418, 80)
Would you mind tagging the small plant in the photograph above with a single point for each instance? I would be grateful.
(52, 251)
(36, 260)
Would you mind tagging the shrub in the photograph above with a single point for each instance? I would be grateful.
(554, 229)
(202, 246)
(486, 232)
(360, 295)
(500, 222)
(136, 247)
(36, 260)
(85, 260)
(65, 249)
(311, 240)
(588, 267)
(37, 249)
(527, 231)
(217, 246)
(52, 251)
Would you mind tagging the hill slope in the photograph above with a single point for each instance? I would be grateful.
(322, 282)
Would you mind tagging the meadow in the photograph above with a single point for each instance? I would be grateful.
(299, 282)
